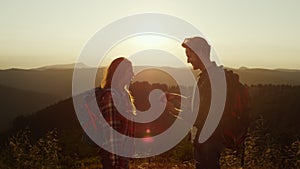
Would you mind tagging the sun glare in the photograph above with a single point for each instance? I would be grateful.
(150, 41)
(139, 43)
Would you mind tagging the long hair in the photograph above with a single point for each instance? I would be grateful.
(120, 64)
(111, 71)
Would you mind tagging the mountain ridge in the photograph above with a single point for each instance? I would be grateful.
(27, 102)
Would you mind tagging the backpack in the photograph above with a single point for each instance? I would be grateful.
(93, 117)
(235, 120)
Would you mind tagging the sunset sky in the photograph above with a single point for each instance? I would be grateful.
(255, 34)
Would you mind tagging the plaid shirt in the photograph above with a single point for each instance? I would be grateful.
(109, 109)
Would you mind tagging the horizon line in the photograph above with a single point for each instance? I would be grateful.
(69, 66)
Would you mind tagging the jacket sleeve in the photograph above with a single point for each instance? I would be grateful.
(112, 117)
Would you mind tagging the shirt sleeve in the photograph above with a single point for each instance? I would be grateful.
(114, 119)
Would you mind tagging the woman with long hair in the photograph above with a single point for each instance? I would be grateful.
(116, 106)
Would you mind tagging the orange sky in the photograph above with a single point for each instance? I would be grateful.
(249, 33)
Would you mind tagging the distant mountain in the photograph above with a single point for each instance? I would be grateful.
(44, 86)
(166, 75)
(62, 66)
(16, 102)
(247, 76)
(56, 82)
(288, 70)
(267, 76)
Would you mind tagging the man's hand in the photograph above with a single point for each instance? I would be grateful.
(174, 97)
(174, 102)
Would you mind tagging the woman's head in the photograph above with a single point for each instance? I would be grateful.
(119, 74)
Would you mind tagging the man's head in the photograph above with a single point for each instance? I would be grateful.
(197, 51)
